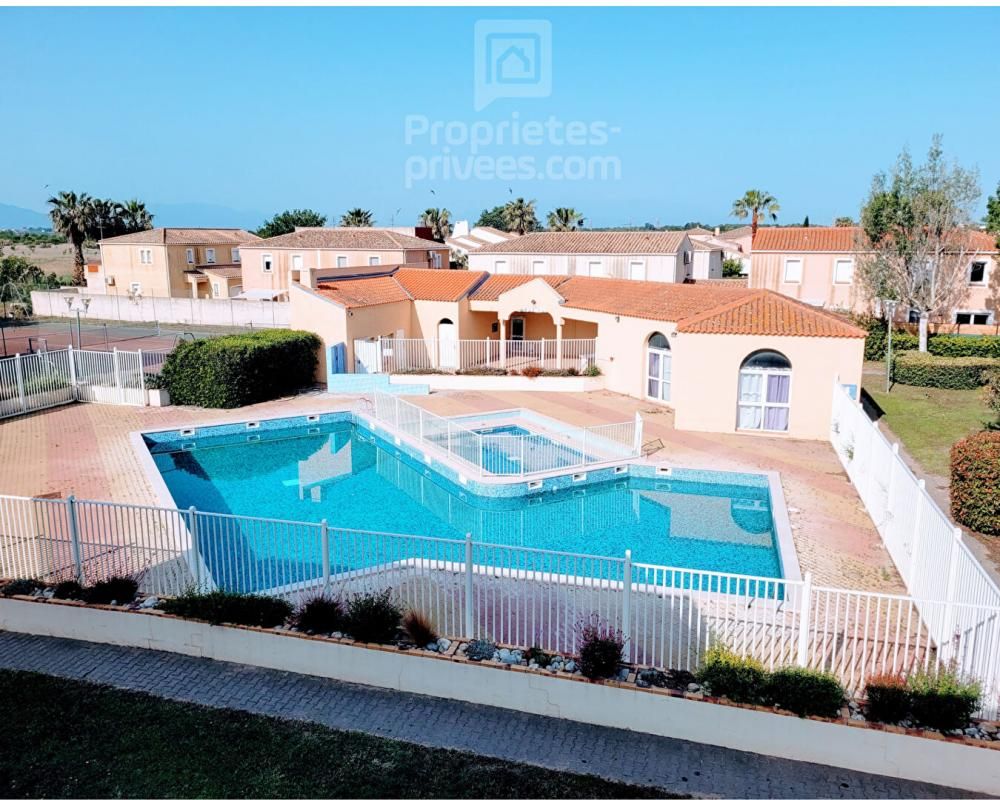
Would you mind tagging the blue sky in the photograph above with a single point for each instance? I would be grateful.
(257, 110)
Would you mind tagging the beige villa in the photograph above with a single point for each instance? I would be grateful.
(661, 256)
(171, 262)
(817, 266)
(725, 359)
(271, 265)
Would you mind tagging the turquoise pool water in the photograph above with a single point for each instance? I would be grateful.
(353, 479)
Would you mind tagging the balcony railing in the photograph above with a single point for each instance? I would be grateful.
(392, 355)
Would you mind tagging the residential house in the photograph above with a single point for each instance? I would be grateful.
(464, 240)
(170, 262)
(817, 265)
(270, 266)
(662, 256)
(734, 244)
(725, 359)
(706, 259)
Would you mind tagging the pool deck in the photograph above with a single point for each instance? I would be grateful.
(85, 450)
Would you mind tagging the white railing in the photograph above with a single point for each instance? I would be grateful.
(392, 355)
(56, 377)
(502, 454)
(519, 596)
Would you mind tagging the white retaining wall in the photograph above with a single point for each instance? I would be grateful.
(501, 383)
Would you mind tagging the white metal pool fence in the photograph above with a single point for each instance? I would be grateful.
(520, 596)
(500, 454)
(56, 377)
(394, 355)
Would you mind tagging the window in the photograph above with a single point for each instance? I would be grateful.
(764, 394)
(687, 258)
(190, 255)
(210, 255)
(637, 270)
(374, 261)
(267, 262)
(977, 272)
(135, 288)
(215, 290)
(972, 317)
(595, 269)
(234, 254)
(297, 262)
(501, 267)
(658, 362)
(539, 268)
(843, 270)
(793, 270)
(435, 260)
(145, 256)
(341, 261)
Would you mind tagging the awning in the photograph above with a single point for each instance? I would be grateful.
(260, 294)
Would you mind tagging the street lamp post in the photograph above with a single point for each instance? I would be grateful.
(890, 308)
(81, 309)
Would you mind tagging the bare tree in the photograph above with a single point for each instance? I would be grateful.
(916, 241)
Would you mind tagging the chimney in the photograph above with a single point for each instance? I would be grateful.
(716, 230)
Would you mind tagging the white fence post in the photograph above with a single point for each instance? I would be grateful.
(118, 377)
(74, 537)
(324, 535)
(637, 435)
(142, 378)
(916, 553)
(71, 354)
(19, 372)
(947, 628)
(195, 548)
(627, 598)
(802, 652)
(541, 355)
(468, 626)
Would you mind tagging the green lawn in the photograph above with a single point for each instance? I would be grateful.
(63, 738)
(928, 421)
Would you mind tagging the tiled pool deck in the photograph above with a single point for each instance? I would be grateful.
(85, 449)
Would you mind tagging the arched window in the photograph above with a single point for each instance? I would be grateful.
(764, 392)
(658, 367)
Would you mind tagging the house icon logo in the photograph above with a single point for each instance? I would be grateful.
(513, 59)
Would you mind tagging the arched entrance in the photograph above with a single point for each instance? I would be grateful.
(765, 392)
(658, 367)
(447, 337)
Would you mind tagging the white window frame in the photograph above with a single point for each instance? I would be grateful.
(985, 270)
(266, 263)
(600, 267)
(642, 266)
(234, 254)
(763, 404)
(837, 263)
(209, 255)
(189, 255)
(435, 259)
(784, 274)
(539, 262)
(300, 263)
(374, 261)
(145, 255)
(215, 290)
(972, 313)
(341, 261)
(501, 270)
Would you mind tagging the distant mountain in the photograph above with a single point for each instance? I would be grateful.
(16, 218)
(204, 215)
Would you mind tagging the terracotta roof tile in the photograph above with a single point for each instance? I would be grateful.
(362, 292)
(807, 240)
(597, 242)
(448, 285)
(765, 313)
(669, 302)
(209, 236)
(495, 285)
(223, 270)
(349, 239)
(736, 233)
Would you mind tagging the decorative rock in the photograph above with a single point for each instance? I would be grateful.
(956, 732)
(988, 728)
(149, 602)
(694, 687)
(463, 647)
(973, 731)
(857, 716)
(569, 666)
(641, 683)
(623, 674)
(443, 644)
(48, 594)
(433, 647)
(338, 635)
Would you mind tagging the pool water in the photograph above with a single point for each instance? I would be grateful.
(354, 479)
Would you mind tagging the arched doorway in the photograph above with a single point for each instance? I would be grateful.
(447, 337)
(658, 367)
(765, 392)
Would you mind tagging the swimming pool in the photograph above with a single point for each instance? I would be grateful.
(331, 469)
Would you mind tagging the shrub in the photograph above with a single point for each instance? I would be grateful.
(25, 586)
(740, 678)
(975, 482)
(155, 381)
(221, 606)
(320, 615)
(600, 651)
(539, 656)
(922, 369)
(68, 590)
(991, 390)
(481, 371)
(232, 371)
(480, 650)
(419, 628)
(532, 371)
(420, 371)
(877, 329)
(805, 692)
(592, 371)
(888, 698)
(732, 268)
(373, 617)
(982, 346)
(942, 701)
(119, 589)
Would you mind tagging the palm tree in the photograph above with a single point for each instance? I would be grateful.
(357, 218)
(520, 216)
(71, 215)
(754, 204)
(135, 216)
(439, 221)
(105, 219)
(565, 219)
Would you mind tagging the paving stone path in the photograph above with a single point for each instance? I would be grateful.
(675, 765)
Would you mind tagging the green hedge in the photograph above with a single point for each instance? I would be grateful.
(233, 371)
(955, 346)
(875, 344)
(924, 369)
(975, 482)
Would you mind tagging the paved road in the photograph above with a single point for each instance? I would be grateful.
(673, 764)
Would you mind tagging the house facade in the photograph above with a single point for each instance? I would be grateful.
(270, 266)
(817, 266)
(170, 262)
(660, 256)
(464, 240)
(724, 359)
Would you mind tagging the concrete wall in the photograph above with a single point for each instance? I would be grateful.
(663, 268)
(176, 310)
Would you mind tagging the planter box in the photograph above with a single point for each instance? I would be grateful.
(158, 397)
(858, 746)
(502, 383)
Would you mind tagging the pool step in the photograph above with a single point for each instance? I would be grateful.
(359, 383)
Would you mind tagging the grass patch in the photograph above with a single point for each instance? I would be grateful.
(111, 743)
(928, 421)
